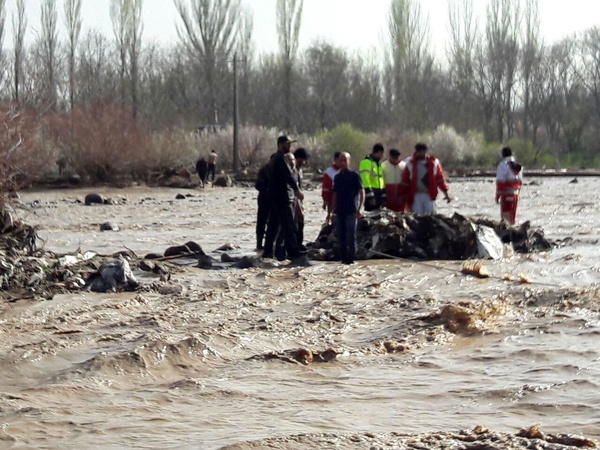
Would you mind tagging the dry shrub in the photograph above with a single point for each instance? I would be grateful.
(452, 148)
(101, 141)
(170, 149)
(255, 145)
(22, 158)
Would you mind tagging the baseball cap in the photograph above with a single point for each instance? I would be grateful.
(284, 140)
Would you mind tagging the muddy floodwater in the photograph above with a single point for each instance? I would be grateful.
(182, 365)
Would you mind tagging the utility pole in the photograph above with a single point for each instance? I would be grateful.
(236, 113)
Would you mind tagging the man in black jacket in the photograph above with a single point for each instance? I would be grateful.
(282, 190)
(264, 203)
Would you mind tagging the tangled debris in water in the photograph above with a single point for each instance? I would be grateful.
(425, 237)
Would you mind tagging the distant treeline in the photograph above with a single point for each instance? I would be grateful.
(499, 80)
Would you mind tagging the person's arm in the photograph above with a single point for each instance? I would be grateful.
(331, 210)
(361, 203)
(440, 180)
(327, 191)
(365, 175)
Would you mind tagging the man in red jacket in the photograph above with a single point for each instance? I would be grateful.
(422, 177)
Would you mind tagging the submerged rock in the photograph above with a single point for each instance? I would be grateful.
(109, 226)
(91, 199)
(189, 247)
(223, 181)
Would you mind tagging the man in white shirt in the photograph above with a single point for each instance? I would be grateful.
(392, 169)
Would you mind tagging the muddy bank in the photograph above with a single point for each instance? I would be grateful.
(478, 438)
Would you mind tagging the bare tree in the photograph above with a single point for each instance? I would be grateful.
(2, 24)
(209, 32)
(19, 24)
(497, 57)
(49, 44)
(589, 68)
(289, 19)
(134, 29)
(73, 24)
(120, 17)
(96, 71)
(246, 53)
(326, 68)
(410, 61)
(530, 60)
(461, 52)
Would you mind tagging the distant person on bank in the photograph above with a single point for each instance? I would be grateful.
(348, 201)
(372, 178)
(422, 178)
(509, 179)
(212, 165)
(392, 169)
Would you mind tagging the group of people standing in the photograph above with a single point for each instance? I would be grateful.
(207, 168)
(411, 185)
(280, 217)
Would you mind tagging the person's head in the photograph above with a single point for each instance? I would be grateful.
(344, 160)
(336, 157)
(506, 152)
(420, 150)
(377, 152)
(213, 151)
(301, 156)
(394, 156)
(284, 143)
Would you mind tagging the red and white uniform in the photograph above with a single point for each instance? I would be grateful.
(509, 179)
(327, 186)
(392, 177)
(421, 180)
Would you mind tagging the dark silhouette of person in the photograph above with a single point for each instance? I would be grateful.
(202, 169)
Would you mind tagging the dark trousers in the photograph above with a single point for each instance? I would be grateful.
(211, 170)
(202, 176)
(300, 231)
(281, 221)
(262, 217)
(370, 205)
(346, 234)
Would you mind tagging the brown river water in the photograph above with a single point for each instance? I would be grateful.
(173, 367)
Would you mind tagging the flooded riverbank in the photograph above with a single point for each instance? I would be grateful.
(182, 367)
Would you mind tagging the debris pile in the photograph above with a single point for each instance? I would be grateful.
(385, 234)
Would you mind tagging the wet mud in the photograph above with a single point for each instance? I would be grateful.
(380, 354)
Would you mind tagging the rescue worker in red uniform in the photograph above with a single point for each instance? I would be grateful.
(509, 179)
(327, 185)
(422, 177)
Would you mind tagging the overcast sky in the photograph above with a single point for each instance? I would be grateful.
(353, 24)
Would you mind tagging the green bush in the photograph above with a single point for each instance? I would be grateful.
(344, 138)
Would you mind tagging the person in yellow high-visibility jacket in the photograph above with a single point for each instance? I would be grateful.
(372, 178)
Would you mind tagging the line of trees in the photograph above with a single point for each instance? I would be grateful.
(499, 77)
